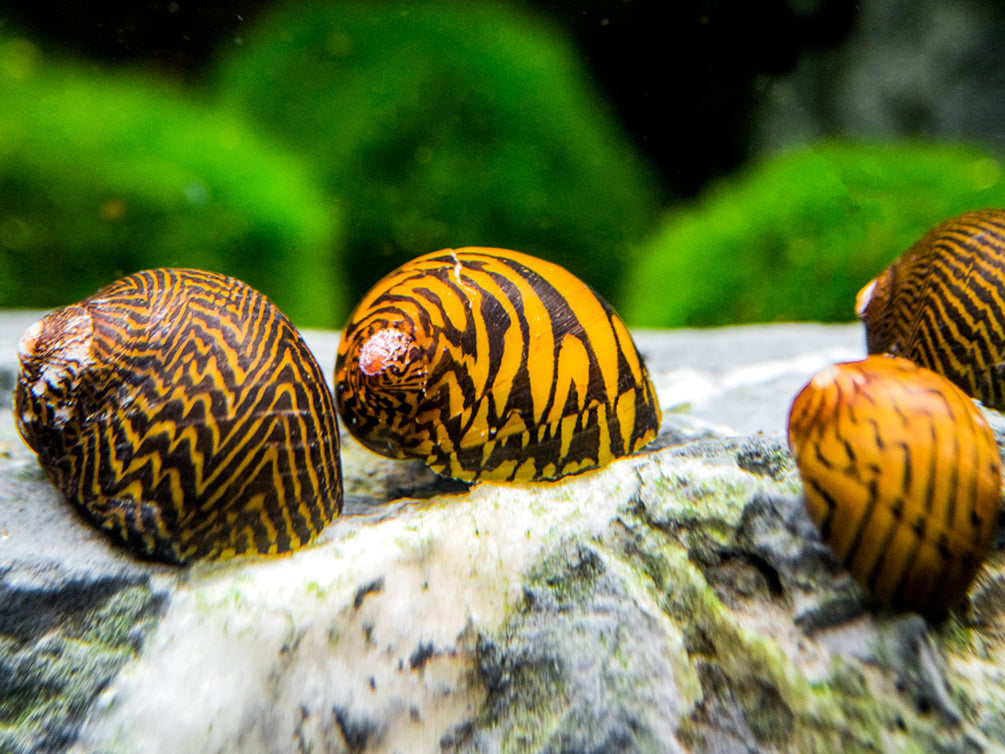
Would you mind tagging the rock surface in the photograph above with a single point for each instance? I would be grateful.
(677, 601)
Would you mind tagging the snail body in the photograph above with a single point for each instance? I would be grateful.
(942, 304)
(183, 412)
(902, 476)
(490, 364)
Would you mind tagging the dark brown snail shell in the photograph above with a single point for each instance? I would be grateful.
(490, 364)
(942, 304)
(902, 475)
(183, 413)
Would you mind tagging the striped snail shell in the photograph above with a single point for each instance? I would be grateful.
(941, 304)
(490, 364)
(184, 413)
(901, 473)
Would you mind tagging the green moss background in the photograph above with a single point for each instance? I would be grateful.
(796, 237)
(338, 140)
(102, 175)
(446, 125)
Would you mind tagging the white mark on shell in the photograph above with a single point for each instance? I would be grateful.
(26, 347)
(458, 270)
(865, 298)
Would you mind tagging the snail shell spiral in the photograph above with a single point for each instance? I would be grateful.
(902, 475)
(942, 304)
(490, 364)
(184, 413)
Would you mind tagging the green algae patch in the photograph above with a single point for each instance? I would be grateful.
(584, 662)
(670, 603)
(763, 675)
(690, 497)
(744, 668)
(770, 459)
(48, 682)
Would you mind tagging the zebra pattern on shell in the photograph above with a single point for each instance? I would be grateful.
(182, 411)
(902, 474)
(942, 304)
(490, 364)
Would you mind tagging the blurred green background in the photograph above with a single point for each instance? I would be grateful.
(693, 170)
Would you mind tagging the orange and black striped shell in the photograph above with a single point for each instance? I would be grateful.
(942, 304)
(184, 413)
(490, 364)
(901, 473)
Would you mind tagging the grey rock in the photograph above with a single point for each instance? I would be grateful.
(679, 600)
(580, 646)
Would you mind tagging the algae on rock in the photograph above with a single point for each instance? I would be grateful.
(50, 676)
(679, 600)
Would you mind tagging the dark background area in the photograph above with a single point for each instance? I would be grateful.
(682, 77)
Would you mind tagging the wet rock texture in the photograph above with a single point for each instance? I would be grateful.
(677, 601)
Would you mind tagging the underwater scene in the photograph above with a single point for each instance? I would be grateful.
(489, 376)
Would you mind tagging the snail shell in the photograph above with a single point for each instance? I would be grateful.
(490, 364)
(901, 473)
(941, 304)
(184, 413)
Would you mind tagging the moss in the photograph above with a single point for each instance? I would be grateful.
(446, 124)
(825, 218)
(103, 174)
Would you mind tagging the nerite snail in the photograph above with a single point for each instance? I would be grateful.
(490, 364)
(942, 304)
(902, 475)
(184, 413)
